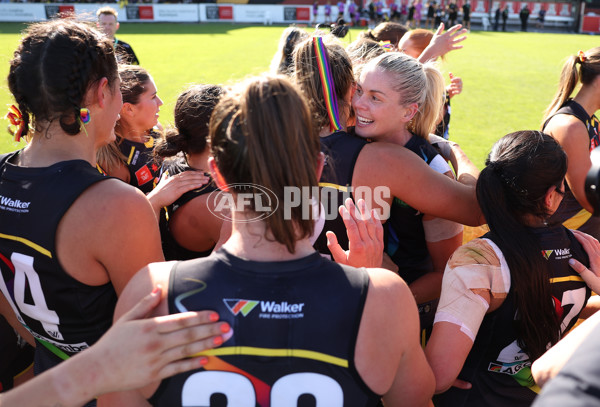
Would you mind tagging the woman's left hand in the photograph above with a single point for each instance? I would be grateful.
(169, 189)
(365, 237)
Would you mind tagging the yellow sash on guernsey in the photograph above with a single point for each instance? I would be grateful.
(576, 221)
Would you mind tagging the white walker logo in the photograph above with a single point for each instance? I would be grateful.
(559, 254)
(13, 205)
(268, 309)
(272, 306)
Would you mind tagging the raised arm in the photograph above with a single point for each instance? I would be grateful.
(442, 43)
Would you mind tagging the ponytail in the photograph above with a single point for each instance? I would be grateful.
(511, 189)
(430, 111)
(583, 67)
(569, 77)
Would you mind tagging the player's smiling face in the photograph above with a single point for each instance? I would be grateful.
(377, 106)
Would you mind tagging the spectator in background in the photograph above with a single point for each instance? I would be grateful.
(524, 16)
(108, 24)
(411, 14)
(379, 11)
(403, 12)
(504, 18)
(418, 14)
(467, 15)
(497, 18)
(541, 17)
(352, 11)
(452, 13)
(340, 5)
(328, 12)
(439, 15)
(430, 15)
(395, 14)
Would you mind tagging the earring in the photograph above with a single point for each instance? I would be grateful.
(84, 115)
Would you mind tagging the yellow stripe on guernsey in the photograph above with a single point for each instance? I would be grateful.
(563, 279)
(296, 353)
(577, 220)
(28, 243)
(130, 155)
(336, 186)
(535, 388)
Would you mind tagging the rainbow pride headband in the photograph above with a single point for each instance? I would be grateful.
(331, 103)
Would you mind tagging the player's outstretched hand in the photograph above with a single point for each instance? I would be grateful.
(443, 42)
(365, 236)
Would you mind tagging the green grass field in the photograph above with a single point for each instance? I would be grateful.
(509, 78)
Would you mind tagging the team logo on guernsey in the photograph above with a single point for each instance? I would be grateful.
(237, 306)
(143, 175)
(559, 254)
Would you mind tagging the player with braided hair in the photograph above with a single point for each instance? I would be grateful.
(70, 238)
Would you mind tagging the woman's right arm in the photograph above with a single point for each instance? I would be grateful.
(116, 362)
(409, 178)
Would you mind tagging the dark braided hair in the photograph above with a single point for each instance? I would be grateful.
(55, 64)
(192, 114)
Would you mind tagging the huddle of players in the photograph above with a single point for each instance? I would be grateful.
(271, 264)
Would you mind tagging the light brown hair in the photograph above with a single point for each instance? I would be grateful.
(576, 69)
(271, 146)
(307, 77)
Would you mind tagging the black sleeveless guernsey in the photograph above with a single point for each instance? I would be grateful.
(570, 212)
(143, 170)
(294, 324)
(341, 151)
(497, 367)
(64, 315)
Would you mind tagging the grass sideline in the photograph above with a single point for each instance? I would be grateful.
(509, 78)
